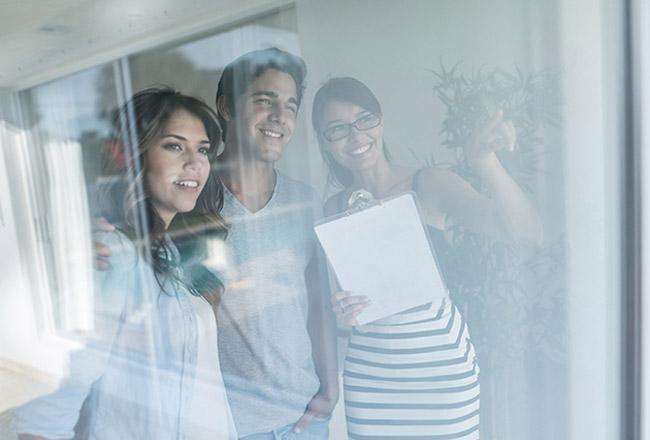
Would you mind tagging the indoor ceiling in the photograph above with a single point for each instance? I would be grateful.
(41, 39)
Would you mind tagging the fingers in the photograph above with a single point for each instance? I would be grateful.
(345, 298)
(321, 406)
(350, 303)
(509, 134)
(339, 296)
(497, 134)
(490, 125)
(101, 224)
(101, 264)
(348, 306)
(304, 421)
(350, 318)
(101, 252)
(503, 136)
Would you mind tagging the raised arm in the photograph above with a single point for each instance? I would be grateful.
(508, 214)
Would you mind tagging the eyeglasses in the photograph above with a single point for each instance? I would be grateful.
(338, 132)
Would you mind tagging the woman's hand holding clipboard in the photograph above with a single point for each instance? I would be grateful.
(380, 250)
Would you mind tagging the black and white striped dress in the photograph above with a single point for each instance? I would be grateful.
(413, 375)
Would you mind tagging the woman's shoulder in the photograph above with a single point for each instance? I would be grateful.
(436, 174)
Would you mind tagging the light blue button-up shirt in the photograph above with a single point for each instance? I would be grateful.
(135, 376)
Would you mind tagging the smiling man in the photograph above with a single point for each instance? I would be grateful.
(276, 331)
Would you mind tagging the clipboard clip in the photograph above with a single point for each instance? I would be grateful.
(359, 200)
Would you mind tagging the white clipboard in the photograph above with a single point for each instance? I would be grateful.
(383, 252)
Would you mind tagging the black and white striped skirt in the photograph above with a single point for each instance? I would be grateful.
(413, 375)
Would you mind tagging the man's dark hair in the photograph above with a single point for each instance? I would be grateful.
(241, 73)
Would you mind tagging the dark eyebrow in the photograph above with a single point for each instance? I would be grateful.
(181, 138)
(336, 122)
(266, 93)
(271, 94)
(358, 115)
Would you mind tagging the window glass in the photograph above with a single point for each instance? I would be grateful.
(505, 120)
(66, 135)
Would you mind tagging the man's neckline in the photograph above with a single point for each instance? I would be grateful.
(268, 201)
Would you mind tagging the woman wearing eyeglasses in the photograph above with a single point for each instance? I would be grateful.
(414, 373)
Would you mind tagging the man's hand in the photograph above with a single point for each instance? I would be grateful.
(321, 406)
(101, 253)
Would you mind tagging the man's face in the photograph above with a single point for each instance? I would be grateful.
(265, 116)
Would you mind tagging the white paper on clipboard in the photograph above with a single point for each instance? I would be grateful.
(383, 252)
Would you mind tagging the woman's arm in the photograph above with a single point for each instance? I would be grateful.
(508, 215)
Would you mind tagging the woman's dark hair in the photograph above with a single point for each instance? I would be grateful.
(243, 71)
(344, 89)
(125, 201)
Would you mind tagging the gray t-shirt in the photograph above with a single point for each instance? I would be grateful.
(264, 347)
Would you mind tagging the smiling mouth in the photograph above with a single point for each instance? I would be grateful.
(187, 183)
(272, 134)
(359, 151)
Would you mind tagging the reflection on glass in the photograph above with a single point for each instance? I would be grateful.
(544, 321)
(70, 228)
(152, 338)
(65, 129)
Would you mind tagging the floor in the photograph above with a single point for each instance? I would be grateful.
(16, 389)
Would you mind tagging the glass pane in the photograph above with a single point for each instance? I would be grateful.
(543, 320)
(66, 132)
(503, 119)
(52, 148)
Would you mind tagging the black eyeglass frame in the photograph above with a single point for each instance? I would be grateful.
(327, 134)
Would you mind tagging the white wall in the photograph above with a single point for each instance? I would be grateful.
(389, 45)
